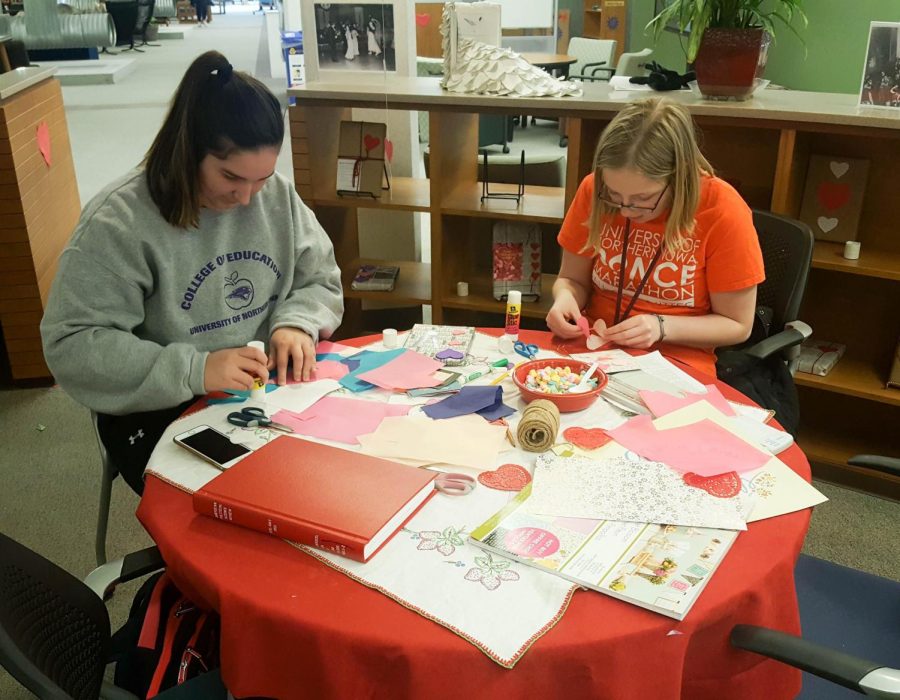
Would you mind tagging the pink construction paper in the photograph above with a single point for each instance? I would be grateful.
(409, 370)
(326, 346)
(341, 420)
(329, 369)
(43, 141)
(703, 447)
(660, 403)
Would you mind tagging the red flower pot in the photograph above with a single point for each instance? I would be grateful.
(729, 61)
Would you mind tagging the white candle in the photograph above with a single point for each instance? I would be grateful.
(389, 338)
(462, 289)
(851, 250)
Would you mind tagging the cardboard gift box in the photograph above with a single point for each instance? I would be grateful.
(517, 259)
(819, 356)
(361, 163)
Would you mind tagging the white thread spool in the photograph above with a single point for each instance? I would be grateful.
(389, 338)
(462, 289)
(851, 250)
(258, 392)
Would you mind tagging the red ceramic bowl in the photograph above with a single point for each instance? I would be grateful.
(566, 403)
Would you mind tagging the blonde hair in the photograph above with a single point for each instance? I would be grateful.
(657, 138)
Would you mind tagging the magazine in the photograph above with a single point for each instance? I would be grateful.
(375, 278)
(662, 568)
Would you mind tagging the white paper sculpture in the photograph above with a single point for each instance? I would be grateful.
(479, 68)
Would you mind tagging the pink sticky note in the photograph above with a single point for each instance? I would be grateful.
(329, 369)
(660, 403)
(409, 370)
(43, 141)
(704, 447)
(326, 346)
(341, 420)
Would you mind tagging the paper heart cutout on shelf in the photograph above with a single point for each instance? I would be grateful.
(42, 134)
(587, 438)
(535, 276)
(371, 142)
(535, 256)
(838, 168)
(826, 224)
(389, 150)
(535, 246)
(727, 485)
(833, 195)
(423, 19)
(507, 477)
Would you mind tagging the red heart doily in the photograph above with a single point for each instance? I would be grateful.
(586, 438)
(726, 485)
(508, 477)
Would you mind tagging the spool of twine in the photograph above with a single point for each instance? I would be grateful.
(539, 425)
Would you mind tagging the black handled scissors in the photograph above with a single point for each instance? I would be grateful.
(251, 417)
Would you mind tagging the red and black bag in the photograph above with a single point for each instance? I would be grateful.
(166, 640)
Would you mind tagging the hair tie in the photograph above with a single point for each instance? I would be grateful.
(224, 73)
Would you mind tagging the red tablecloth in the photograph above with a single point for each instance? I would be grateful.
(294, 628)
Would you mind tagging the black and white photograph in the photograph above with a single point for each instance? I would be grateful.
(881, 73)
(354, 37)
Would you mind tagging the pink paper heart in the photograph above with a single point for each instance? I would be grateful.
(371, 142)
(508, 477)
(727, 485)
(582, 323)
(586, 438)
(389, 150)
(423, 19)
(43, 141)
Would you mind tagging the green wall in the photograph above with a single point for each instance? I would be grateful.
(835, 44)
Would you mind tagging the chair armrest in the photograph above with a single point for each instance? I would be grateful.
(793, 334)
(888, 465)
(104, 579)
(835, 666)
(606, 69)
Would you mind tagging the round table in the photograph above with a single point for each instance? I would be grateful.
(295, 628)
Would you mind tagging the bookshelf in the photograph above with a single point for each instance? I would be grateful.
(762, 146)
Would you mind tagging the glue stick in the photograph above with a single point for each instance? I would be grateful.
(258, 391)
(513, 314)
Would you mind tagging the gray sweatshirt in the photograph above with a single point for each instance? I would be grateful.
(138, 304)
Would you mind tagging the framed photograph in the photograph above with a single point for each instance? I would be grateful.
(352, 40)
(881, 72)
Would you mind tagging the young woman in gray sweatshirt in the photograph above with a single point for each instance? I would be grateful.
(175, 267)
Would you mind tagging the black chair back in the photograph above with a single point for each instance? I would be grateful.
(787, 246)
(54, 631)
(125, 17)
(144, 17)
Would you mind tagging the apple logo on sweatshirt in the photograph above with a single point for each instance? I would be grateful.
(238, 292)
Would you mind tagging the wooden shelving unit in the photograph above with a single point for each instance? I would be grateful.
(762, 146)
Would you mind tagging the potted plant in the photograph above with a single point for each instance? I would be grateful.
(728, 39)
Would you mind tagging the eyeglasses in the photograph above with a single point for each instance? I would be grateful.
(618, 205)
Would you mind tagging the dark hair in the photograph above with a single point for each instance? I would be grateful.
(214, 110)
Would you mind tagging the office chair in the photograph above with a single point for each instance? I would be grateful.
(594, 56)
(632, 64)
(840, 608)
(125, 16)
(55, 632)
(110, 472)
(787, 246)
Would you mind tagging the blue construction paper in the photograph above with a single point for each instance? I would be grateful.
(368, 360)
(227, 399)
(486, 401)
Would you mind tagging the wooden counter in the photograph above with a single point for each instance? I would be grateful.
(39, 207)
(762, 145)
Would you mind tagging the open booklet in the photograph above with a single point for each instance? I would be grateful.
(662, 568)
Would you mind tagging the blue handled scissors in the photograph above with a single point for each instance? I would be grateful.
(527, 350)
(251, 417)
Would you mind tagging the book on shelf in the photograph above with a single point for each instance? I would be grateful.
(819, 356)
(662, 568)
(375, 278)
(340, 501)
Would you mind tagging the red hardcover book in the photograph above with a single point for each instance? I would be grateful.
(321, 496)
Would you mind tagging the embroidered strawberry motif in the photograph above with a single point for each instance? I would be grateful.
(491, 573)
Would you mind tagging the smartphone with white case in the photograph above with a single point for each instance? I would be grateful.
(213, 446)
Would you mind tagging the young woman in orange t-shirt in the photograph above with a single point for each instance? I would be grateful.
(686, 282)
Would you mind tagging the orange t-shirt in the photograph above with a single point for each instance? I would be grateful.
(722, 255)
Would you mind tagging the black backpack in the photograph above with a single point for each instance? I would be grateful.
(166, 640)
(767, 381)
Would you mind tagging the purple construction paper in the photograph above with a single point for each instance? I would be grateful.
(486, 401)
(449, 354)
